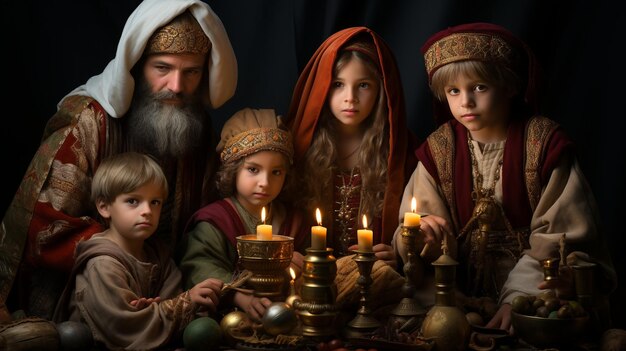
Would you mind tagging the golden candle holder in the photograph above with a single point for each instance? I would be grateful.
(550, 269)
(316, 308)
(364, 324)
(409, 307)
(267, 260)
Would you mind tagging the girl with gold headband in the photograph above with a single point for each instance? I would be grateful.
(256, 154)
(353, 150)
(499, 181)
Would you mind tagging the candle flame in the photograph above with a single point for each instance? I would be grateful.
(364, 222)
(263, 215)
(292, 273)
(413, 205)
(318, 216)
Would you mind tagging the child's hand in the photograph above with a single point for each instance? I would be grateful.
(434, 228)
(206, 293)
(253, 306)
(144, 302)
(564, 286)
(502, 319)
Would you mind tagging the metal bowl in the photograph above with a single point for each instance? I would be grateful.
(548, 332)
(265, 256)
(267, 260)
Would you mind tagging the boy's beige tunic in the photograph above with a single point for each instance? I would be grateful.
(106, 286)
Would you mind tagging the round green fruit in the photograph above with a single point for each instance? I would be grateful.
(202, 333)
(520, 304)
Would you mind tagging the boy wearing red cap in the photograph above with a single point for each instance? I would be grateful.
(499, 181)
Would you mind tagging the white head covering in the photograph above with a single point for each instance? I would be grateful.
(114, 87)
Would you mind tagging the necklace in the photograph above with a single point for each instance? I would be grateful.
(345, 157)
(479, 191)
(347, 210)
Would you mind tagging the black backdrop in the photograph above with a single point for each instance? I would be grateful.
(51, 47)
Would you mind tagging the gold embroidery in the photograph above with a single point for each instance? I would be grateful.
(251, 141)
(441, 143)
(538, 132)
(346, 214)
(468, 46)
(182, 35)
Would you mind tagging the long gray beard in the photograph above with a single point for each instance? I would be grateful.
(164, 130)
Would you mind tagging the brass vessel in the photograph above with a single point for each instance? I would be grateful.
(445, 322)
(267, 260)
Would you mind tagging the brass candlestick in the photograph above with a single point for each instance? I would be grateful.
(550, 268)
(267, 260)
(363, 323)
(409, 307)
(316, 308)
(445, 322)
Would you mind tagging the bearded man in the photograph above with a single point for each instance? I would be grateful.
(174, 61)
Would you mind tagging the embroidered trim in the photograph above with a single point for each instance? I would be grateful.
(251, 141)
(441, 143)
(538, 133)
(468, 46)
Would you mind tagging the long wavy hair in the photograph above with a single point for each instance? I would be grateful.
(320, 161)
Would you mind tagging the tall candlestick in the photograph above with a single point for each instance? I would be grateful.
(263, 231)
(318, 233)
(412, 219)
(365, 237)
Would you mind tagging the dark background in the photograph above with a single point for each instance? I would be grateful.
(51, 47)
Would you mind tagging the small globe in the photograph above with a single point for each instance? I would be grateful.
(236, 325)
(202, 333)
(279, 318)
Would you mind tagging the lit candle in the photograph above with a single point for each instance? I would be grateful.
(318, 233)
(263, 231)
(292, 287)
(292, 298)
(412, 219)
(365, 237)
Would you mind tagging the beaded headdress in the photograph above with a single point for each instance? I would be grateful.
(252, 130)
(182, 35)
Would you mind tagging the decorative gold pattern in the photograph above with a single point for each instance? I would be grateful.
(347, 212)
(267, 260)
(467, 46)
(251, 141)
(441, 143)
(182, 35)
(180, 309)
(537, 135)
